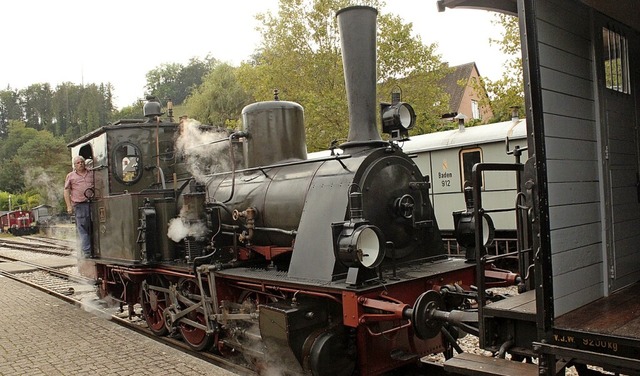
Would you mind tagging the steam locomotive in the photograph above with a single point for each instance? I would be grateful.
(243, 246)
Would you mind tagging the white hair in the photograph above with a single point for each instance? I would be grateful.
(76, 159)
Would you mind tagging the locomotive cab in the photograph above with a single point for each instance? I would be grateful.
(127, 158)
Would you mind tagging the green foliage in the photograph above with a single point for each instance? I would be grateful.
(69, 110)
(220, 98)
(175, 81)
(134, 111)
(11, 179)
(508, 91)
(36, 100)
(79, 109)
(10, 109)
(24, 201)
(33, 161)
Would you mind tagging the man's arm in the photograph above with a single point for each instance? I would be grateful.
(67, 199)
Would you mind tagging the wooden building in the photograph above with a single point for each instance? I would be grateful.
(582, 83)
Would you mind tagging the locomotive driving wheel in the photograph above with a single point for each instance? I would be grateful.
(197, 338)
(153, 304)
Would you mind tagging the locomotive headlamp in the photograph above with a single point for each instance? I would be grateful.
(397, 119)
(464, 224)
(360, 245)
(465, 229)
(357, 244)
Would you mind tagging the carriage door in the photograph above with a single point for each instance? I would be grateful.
(616, 67)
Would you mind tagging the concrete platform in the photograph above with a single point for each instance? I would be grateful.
(60, 231)
(42, 335)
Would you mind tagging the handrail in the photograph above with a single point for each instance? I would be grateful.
(478, 211)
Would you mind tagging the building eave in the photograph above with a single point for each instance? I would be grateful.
(503, 6)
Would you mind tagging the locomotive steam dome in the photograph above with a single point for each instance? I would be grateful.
(276, 133)
(152, 108)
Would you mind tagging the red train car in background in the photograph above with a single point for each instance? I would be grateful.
(18, 222)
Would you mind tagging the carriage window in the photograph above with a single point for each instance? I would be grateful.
(127, 163)
(616, 61)
(468, 158)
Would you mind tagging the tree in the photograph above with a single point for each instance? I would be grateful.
(80, 109)
(18, 200)
(18, 135)
(65, 102)
(10, 109)
(89, 110)
(220, 98)
(300, 56)
(11, 172)
(406, 64)
(175, 81)
(133, 111)
(27, 156)
(36, 101)
(191, 76)
(508, 91)
(11, 176)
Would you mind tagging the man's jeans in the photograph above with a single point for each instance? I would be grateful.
(83, 226)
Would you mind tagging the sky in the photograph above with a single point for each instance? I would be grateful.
(120, 41)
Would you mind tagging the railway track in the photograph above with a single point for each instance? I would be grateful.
(32, 263)
(66, 283)
(36, 244)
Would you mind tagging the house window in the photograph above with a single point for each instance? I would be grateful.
(475, 109)
(616, 61)
(468, 158)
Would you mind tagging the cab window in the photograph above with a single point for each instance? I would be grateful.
(127, 163)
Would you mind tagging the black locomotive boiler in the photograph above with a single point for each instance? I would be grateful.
(326, 266)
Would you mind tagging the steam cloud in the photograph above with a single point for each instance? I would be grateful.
(203, 149)
(181, 227)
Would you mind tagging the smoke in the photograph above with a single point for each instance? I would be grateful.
(203, 148)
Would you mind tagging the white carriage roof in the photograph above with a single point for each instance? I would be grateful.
(468, 136)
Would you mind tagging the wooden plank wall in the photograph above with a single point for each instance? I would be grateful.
(566, 71)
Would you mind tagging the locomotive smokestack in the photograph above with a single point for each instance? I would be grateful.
(357, 26)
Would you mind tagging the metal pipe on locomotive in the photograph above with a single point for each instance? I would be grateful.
(326, 266)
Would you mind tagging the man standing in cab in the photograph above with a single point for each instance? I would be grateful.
(78, 189)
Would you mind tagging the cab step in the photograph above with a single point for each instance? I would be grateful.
(479, 365)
